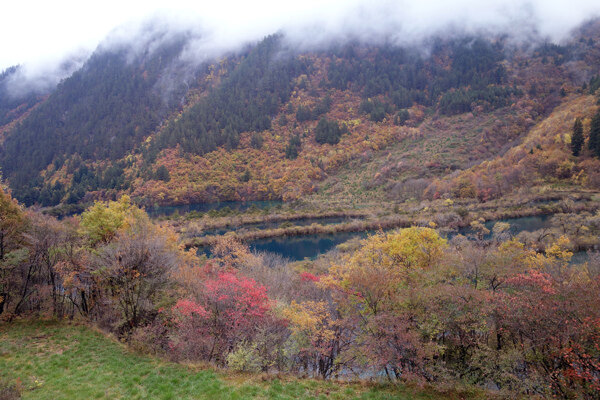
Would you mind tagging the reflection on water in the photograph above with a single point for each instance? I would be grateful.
(580, 257)
(299, 247)
(528, 224)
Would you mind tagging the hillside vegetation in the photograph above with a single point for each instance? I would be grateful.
(404, 306)
(544, 157)
(269, 123)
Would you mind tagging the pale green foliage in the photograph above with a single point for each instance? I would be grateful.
(245, 358)
(15, 257)
(500, 227)
(101, 222)
(12, 225)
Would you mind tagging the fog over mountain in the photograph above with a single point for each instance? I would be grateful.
(55, 40)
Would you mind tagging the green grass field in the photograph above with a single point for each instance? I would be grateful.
(51, 360)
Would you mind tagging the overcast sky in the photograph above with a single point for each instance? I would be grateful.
(39, 33)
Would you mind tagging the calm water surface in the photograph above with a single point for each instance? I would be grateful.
(301, 247)
(311, 246)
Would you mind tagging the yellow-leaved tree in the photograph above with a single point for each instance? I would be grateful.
(380, 292)
(12, 252)
(129, 265)
(101, 222)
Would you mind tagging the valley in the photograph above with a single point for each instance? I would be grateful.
(359, 218)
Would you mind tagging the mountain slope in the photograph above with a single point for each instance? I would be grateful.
(15, 106)
(352, 123)
(544, 157)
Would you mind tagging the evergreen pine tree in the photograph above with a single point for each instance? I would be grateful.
(293, 148)
(594, 143)
(577, 139)
(162, 174)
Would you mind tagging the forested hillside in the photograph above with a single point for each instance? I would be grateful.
(101, 112)
(244, 102)
(14, 105)
(269, 122)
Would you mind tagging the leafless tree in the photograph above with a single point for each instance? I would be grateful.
(135, 270)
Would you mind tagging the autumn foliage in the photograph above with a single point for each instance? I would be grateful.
(402, 305)
(227, 310)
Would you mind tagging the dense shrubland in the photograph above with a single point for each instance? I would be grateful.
(405, 305)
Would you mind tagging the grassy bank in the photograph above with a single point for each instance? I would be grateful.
(52, 360)
(313, 229)
(206, 223)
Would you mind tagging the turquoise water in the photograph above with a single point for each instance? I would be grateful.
(301, 247)
(311, 246)
(580, 257)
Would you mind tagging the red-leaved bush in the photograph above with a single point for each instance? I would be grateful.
(308, 277)
(230, 309)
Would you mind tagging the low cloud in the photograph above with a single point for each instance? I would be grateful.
(45, 45)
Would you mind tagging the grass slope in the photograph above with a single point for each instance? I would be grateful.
(51, 360)
(438, 147)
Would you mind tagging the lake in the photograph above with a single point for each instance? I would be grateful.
(301, 247)
(298, 248)
(311, 246)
